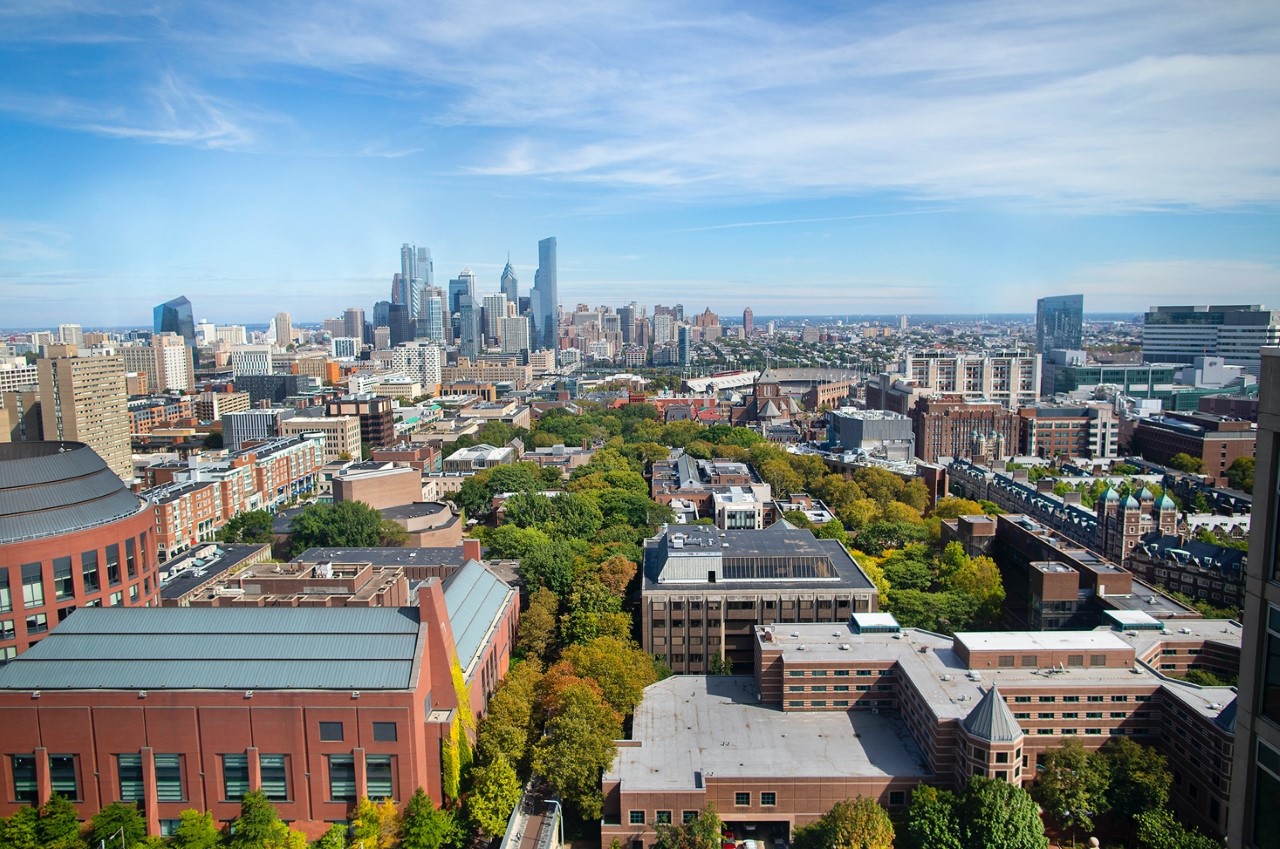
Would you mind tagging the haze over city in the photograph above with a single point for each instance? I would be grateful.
(800, 158)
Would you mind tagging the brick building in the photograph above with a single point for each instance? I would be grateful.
(953, 427)
(377, 419)
(1215, 440)
(1089, 431)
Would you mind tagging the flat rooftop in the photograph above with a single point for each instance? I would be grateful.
(434, 556)
(691, 728)
(202, 564)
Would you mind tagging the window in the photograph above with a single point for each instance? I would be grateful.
(841, 688)
(1119, 698)
(384, 732)
(818, 688)
(113, 564)
(6, 600)
(342, 778)
(1071, 715)
(742, 798)
(37, 623)
(1047, 699)
(331, 732)
(89, 571)
(1002, 757)
(1096, 698)
(130, 556)
(897, 798)
(63, 585)
(24, 777)
(1022, 699)
(1030, 660)
(795, 703)
(662, 817)
(1006, 660)
(818, 703)
(129, 774)
(636, 817)
(275, 777)
(33, 585)
(169, 778)
(1075, 660)
(1071, 698)
(819, 673)
(688, 817)
(841, 703)
(795, 688)
(795, 673)
(1044, 716)
(1270, 686)
(377, 770)
(842, 673)
(62, 776)
(235, 777)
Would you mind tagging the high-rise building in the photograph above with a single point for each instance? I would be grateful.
(397, 291)
(401, 325)
(464, 283)
(748, 322)
(663, 329)
(510, 283)
(684, 345)
(495, 310)
(251, 359)
(1236, 333)
(515, 334)
(470, 331)
(1254, 815)
(1011, 378)
(1059, 323)
(175, 317)
(84, 399)
(627, 323)
(408, 281)
(284, 329)
(545, 298)
(71, 334)
(382, 314)
(434, 316)
(353, 323)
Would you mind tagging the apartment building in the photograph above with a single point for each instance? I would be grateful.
(340, 435)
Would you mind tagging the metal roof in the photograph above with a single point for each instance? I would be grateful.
(223, 648)
(991, 720)
(473, 596)
(51, 488)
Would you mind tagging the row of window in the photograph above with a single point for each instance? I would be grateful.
(839, 703)
(273, 771)
(837, 688)
(332, 732)
(1048, 700)
(768, 799)
(839, 673)
(33, 575)
(1093, 714)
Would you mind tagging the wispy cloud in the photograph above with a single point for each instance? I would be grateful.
(31, 241)
(829, 218)
(1122, 285)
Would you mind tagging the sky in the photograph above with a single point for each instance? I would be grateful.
(797, 158)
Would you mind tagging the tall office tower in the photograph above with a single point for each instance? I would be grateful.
(70, 334)
(470, 338)
(1253, 819)
(1059, 323)
(465, 282)
(1235, 333)
(416, 271)
(663, 329)
(902, 322)
(684, 345)
(510, 283)
(402, 329)
(495, 309)
(83, 399)
(515, 334)
(284, 329)
(426, 268)
(627, 323)
(335, 327)
(435, 313)
(381, 313)
(397, 291)
(545, 298)
(353, 323)
(748, 321)
(175, 317)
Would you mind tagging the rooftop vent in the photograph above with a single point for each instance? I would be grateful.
(800, 648)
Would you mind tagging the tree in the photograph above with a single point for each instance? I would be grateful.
(997, 815)
(1184, 462)
(21, 830)
(425, 826)
(260, 827)
(196, 831)
(58, 826)
(347, 524)
(1240, 474)
(1157, 829)
(495, 791)
(391, 534)
(253, 526)
(106, 824)
(506, 727)
(214, 441)
(536, 632)
(979, 578)
(852, 824)
(953, 508)
(578, 745)
(1140, 777)
(701, 832)
(1073, 786)
(621, 669)
(334, 838)
(376, 825)
(932, 819)
(616, 573)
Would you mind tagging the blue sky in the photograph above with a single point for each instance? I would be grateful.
(829, 157)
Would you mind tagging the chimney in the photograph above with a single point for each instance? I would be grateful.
(470, 549)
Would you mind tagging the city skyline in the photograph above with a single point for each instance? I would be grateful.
(917, 158)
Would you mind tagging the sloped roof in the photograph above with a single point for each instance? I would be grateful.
(473, 596)
(1227, 719)
(216, 648)
(992, 720)
(50, 488)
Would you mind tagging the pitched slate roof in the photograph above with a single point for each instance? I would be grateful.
(991, 719)
(473, 596)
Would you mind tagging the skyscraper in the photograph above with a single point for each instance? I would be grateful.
(684, 345)
(284, 329)
(382, 314)
(515, 335)
(416, 272)
(470, 341)
(510, 283)
(175, 317)
(400, 324)
(495, 310)
(545, 303)
(748, 321)
(627, 323)
(434, 312)
(353, 323)
(464, 282)
(1059, 323)
(1255, 768)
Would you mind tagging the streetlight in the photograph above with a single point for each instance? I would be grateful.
(102, 844)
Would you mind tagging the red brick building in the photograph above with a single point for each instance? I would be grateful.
(953, 427)
(71, 535)
(1216, 440)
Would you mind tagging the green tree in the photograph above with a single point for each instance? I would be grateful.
(107, 824)
(58, 826)
(347, 524)
(995, 814)
(536, 632)
(507, 727)
(953, 508)
(260, 827)
(424, 826)
(20, 831)
(1073, 786)
(253, 526)
(932, 819)
(1184, 462)
(1240, 474)
(1140, 777)
(852, 824)
(621, 669)
(702, 832)
(214, 441)
(577, 746)
(375, 825)
(495, 791)
(1157, 829)
(195, 830)
(334, 838)
(979, 578)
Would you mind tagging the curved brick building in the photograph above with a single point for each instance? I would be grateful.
(71, 535)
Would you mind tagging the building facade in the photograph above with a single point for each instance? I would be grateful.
(84, 399)
(1060, 323)
(1237, 333)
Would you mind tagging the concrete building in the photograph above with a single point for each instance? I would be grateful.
(1237, 333)
(71, 535)
(1217, 441)
(251, 359)
(83, 399)
(703, 589)
(505, 369)
(420, 360)
(379, 485)
(696, 481)
(876, 432)
(1008, 378)
(1255, 809)
(252, 425)
(340, 435)
(1053, 431)
(166, 362)
(862, 707)
(17, 375)
(301, 709)
(212, 406)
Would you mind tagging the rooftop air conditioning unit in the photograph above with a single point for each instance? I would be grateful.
(800, 648)
(844, 647)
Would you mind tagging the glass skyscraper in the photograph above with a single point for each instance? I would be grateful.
(1060, 323)
(176, 317)
(544, 299)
